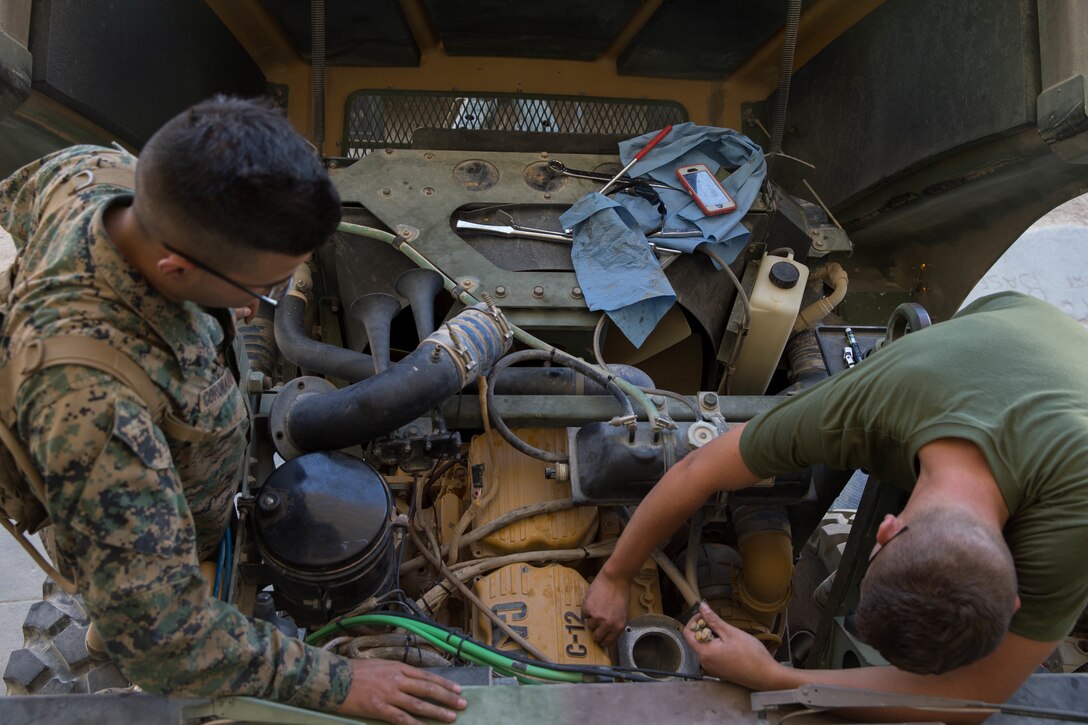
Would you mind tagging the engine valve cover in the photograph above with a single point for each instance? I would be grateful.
(543, 605)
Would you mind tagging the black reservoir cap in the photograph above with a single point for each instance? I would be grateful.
(784, 275)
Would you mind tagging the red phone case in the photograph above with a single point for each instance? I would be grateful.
(732, 205)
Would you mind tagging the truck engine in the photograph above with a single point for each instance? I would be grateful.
(446, 431)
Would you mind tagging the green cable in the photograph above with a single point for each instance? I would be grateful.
(467, 299)
(460, 646)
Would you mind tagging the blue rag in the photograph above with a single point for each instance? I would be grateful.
(616, 269)
(685, 145)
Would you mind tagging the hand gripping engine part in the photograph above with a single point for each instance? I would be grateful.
(656, 642)
(543, 605)
(323, 529)
(313, 415)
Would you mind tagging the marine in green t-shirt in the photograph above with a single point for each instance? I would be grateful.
(984, 419)
(1008, 374)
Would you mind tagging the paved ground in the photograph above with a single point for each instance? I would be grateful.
(1050, 261)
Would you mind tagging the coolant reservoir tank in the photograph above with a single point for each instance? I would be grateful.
(775, 302)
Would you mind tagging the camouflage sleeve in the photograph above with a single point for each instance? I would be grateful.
(17, 195)
(125, 533)
(23, 194)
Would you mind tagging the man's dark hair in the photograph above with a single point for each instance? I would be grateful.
(940, 597)
(235, 171)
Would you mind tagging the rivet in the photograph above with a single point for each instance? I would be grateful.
(386, 192)
(500, 291)
(427, 191)
(429, 156)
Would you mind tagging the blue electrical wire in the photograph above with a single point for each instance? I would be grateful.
(220, 558)
(226, 562)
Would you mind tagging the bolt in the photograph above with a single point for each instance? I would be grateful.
(576, 293)
(269, 502)
(427, 191)
(543, 154)
(387, 192)
(538, 291)
(658, 401)
(467, 284)
(436, 354)
(710, 400)
(500, 291)
(429, 156)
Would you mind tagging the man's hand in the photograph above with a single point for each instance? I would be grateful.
(732, 655)
(394, 692)
(605, 608)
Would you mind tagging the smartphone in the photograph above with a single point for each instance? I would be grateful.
(705, 189)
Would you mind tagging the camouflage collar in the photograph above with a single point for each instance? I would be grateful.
(192, 335)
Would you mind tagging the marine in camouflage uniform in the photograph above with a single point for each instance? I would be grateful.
(135, 509)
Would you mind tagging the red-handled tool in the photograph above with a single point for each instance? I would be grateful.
(638, 157)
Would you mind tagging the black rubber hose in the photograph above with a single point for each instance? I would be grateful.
(579, 366)
(309, 354)
(370, 408)
(466, 346)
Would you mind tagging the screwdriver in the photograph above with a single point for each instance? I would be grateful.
(638, 157)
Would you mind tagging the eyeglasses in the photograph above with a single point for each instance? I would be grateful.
(271, 297)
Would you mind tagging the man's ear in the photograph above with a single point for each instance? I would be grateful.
(889, 527)
(172, 265)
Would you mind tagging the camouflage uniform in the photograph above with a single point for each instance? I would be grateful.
(135, 510)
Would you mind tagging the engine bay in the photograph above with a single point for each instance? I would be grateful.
(507, 435)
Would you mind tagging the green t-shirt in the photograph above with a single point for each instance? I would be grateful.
(1008, 373)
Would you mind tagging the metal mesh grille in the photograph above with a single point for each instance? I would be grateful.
(378, 119)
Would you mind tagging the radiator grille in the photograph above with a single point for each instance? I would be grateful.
(377, 119)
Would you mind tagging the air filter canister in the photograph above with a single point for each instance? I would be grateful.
(323, 530)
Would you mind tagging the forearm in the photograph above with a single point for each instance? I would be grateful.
(882, 679)
(675, 498)
(993, 679)
(174, 640)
